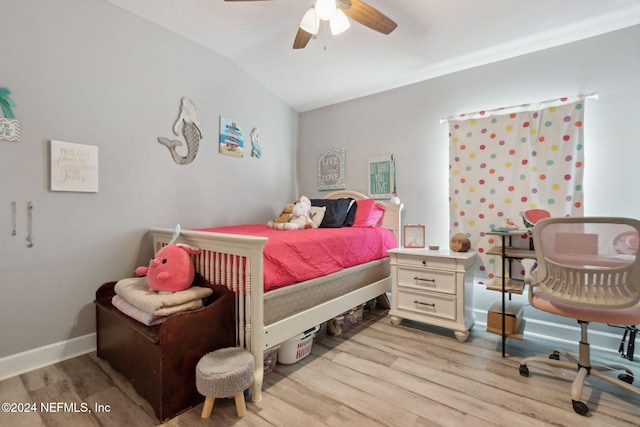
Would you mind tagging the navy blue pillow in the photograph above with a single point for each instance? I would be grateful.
(351, 215)
(336, 213)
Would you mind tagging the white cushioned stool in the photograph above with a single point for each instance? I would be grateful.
(224, 373)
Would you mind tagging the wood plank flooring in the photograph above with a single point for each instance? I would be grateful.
(377, 374)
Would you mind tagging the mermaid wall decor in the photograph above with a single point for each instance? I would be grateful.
(188, 121)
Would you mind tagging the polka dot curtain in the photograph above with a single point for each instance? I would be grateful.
(507, 161)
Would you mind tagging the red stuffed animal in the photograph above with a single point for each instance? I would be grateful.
(171, 269)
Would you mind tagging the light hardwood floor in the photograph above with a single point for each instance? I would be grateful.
(375, 375)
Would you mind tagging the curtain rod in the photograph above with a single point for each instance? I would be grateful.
(522, 107)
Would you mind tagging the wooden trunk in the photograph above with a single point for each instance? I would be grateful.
(160, 360)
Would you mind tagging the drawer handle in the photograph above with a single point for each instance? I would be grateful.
(424, 303)
(424, 280)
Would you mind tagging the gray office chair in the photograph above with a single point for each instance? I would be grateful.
(588, 272)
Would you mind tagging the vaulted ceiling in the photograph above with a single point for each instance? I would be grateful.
(433, 38)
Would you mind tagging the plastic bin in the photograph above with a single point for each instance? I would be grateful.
(270, 360)
(321, 332)
(335, 326)
(296, 348)
(356, 314)
(345, 321)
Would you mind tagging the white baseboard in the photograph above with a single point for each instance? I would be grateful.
(564, 334)
(20, 363)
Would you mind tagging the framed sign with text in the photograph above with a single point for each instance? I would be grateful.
(332, 169)
(414, 236)
(381, 177)
(231, 137)
(74, 167)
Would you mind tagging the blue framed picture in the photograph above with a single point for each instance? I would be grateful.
(231, 137)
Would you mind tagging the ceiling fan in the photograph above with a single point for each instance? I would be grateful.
(336, 12)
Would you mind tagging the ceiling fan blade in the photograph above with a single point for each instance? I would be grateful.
(302, 38)
(367, 16)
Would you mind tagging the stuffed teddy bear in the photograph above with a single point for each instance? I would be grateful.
(171, 269)
(285, 215)
(459, 243)
(300, 218)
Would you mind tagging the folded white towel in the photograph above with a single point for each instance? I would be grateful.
(137, 292)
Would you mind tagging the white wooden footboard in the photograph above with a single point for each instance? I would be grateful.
(236, 261)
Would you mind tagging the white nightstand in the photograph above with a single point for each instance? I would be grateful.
(433, 287)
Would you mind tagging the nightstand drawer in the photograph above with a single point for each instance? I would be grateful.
(426, 261)
(427, 279)
(437, 305)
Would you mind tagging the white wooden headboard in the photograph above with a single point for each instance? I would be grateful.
(391, 218)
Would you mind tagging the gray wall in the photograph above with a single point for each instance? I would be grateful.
(406, 122)
(85, 71)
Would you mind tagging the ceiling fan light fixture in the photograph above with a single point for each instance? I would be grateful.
(339, 22)
(325, 9)
(310, 22)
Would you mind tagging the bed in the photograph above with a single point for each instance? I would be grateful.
(266, 319)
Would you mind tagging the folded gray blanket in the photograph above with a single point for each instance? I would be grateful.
(137, 292)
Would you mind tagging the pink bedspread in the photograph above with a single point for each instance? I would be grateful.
(292, 256)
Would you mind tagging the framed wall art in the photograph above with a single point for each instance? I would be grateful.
(414, 236)
(9, 126)
(74, 167)
(381, 177)
(231, 137)
(332, 169)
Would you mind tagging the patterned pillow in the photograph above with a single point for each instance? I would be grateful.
(317, 214)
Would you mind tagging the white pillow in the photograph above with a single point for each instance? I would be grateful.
(317, 214)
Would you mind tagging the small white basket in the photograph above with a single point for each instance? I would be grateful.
(297, 348)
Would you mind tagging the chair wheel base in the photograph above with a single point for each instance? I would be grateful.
(524, 370)
(626, 378)
(580, 407)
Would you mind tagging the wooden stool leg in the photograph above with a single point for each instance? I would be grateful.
(207, 407)
(241, 408)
